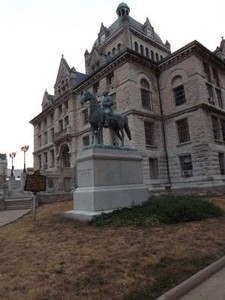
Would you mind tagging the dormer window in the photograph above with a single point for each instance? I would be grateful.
(102, 38)
(149, 32)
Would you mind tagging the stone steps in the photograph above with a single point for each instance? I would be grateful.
(18, 203)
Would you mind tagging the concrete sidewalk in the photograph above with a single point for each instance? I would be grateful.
(208, 284)
(9, 216)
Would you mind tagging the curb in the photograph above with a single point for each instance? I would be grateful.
(193, 281)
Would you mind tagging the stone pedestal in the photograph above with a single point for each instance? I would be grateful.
(108, 178)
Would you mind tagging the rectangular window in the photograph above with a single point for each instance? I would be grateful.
(146, 99)
(44, 124)
(149, 133)
(219, 97)
(183, 130)
(216, 128)
(153, 167)
(51, 119)
(60, 109)
(52, 155)
(95, 87)
(179, 95)
(45, 138)
(66, 105)
(223, 129)
(186, 166)
(52, 134)
(86, 140)
(39, 140)
(221, 162)
(207, 70)
(60, 125)
(45, 160)
(85, 116)
(66, 121)
(216, 76)
(210, 93)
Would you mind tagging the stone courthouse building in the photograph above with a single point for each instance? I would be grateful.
(174, 103)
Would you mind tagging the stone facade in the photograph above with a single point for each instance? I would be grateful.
(3, 164)
(174, 103)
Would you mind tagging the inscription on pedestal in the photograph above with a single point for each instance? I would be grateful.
(85, 172)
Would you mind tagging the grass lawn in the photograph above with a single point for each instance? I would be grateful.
(52, 258)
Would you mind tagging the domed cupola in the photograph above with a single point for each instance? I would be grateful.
(123, 10)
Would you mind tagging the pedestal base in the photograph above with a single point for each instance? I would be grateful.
(108, 179)
(83, 216)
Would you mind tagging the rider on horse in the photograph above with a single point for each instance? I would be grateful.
(107, 107)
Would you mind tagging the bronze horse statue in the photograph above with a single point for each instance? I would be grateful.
(97, 119)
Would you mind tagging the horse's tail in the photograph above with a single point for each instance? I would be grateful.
(126, 128)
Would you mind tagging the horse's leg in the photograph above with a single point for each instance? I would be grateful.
(122, 137)
(92, 134)
(116, 130)
(101, 135)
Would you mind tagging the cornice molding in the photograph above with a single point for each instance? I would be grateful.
(194, 48)
(125, 56)
(143, 114)
(205, 106)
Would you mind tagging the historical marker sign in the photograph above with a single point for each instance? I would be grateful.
(35, 182)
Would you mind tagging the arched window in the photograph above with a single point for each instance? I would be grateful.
(108, 57)
(114, 51)
(152, 55)
(65, 156)
(136, 46)
(146, 95)
(157, 56)
(118, 48)
(142, 49)
(147, 52)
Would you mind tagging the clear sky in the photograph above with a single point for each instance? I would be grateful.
(35, 33)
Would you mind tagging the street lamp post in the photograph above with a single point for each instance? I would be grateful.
(12, 155)
(24, 149)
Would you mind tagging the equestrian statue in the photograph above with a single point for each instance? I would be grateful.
(104, 117)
